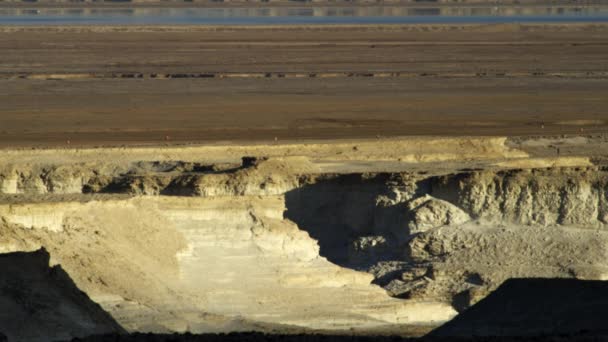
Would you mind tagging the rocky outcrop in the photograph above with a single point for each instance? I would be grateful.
(455, 238)
(268, 177)
(564, 196)
(277, 244)
(467, 263)
(208, 265)
(428, 213)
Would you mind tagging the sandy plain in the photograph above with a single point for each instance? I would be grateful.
(90, 86)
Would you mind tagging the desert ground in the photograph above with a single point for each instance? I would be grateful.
(149, 85)
(406, 180)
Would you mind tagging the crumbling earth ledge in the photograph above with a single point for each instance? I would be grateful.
(369, 236)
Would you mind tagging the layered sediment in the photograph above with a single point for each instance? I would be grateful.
(309, 240)
(102, 85)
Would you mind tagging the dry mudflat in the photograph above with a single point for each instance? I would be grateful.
(150, 85)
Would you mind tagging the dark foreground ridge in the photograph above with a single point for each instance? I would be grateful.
(260, 337)
(531, 307)
(37, 301)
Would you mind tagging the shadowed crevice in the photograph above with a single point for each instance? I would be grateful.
(337, 212)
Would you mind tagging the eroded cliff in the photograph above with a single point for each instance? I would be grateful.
(291, 243)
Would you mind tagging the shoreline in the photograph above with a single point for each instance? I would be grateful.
(291, 3)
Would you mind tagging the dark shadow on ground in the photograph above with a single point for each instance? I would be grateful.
(337, 211)
(534, 307)
(38, 302)
(260, 337)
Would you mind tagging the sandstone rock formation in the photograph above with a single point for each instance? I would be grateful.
(279, 244)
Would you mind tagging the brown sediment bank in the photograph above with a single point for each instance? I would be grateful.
(150, 85)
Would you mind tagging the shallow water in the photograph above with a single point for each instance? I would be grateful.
(302, 15)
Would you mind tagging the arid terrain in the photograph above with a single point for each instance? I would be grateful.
(348, 181)
(150, 85)
(353, 237)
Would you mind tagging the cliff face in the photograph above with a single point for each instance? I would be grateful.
(280, 245)
(206, 264)
(456, 237)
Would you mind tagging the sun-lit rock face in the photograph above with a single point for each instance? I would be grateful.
(428, 213)
(558, 196)
(199, 265)
(278, 245)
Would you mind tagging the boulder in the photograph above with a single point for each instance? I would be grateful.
(428, 213)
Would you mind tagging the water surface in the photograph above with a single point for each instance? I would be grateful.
(301, 15)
